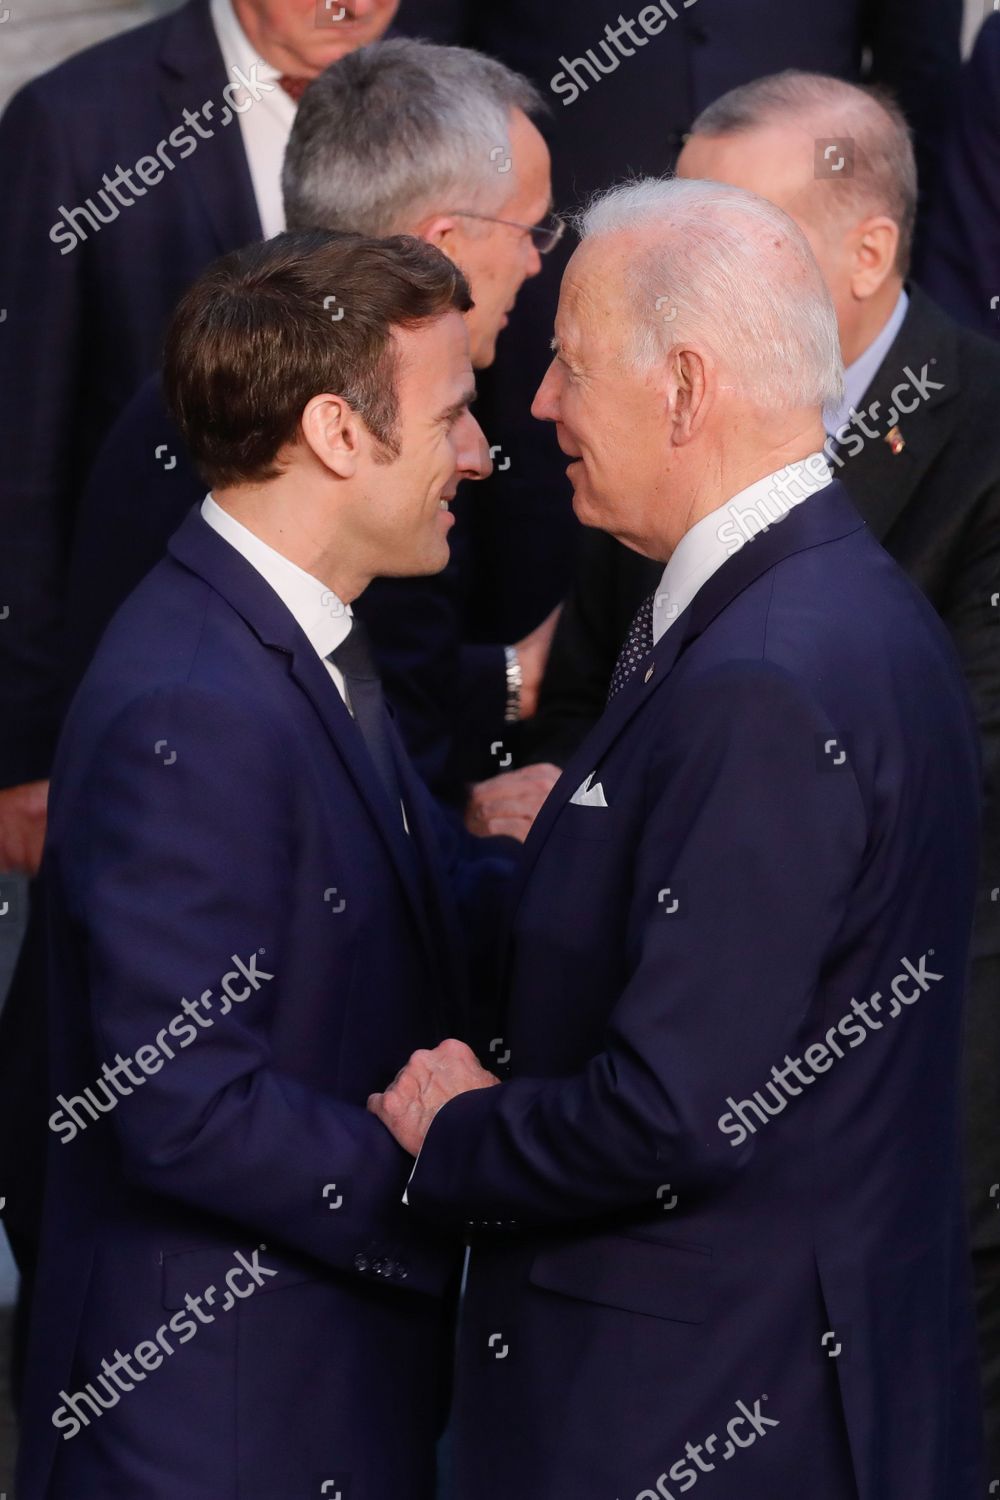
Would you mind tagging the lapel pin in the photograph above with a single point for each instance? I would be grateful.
(649, 673)
(896, 441)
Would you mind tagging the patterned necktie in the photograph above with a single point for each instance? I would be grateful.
(354, 659)
(638, 645)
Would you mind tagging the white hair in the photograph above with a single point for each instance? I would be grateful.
(730, 272)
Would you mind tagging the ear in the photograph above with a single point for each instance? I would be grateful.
(689, 394)
(441, 232)
(335, 433)
(876, 246)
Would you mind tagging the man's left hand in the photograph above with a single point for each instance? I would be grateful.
(428, 1081)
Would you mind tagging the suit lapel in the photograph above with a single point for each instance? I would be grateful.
(882, 482)
(436, 887)
(822, 518)
(206, 553)
(192, 71)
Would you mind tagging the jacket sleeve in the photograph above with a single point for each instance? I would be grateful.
(41, 295)
(698, 1018)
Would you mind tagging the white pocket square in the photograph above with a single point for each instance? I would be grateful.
(589, 796)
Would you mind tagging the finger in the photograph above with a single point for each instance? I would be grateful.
(453, 1047)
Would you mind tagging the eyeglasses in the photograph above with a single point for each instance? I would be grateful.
(546, 235)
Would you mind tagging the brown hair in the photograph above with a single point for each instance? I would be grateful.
(267, 328)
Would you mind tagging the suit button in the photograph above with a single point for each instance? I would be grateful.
(361, 1263)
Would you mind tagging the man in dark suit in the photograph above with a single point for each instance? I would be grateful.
(363, 121)
(629, 112)
(959, 263)
(735, 979)
(124, 172)
(921, 460)
(233, 817)
(187, 119)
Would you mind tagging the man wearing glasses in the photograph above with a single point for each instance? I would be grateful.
(401, 137)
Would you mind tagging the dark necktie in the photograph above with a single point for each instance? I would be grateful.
(364, 691)
(294, 87)
(638, 644)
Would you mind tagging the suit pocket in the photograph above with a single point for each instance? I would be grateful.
(195, 1271)
(575, 822)
(636, 1275)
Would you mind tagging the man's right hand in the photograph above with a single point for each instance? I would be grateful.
(22, 827)
(508, 804)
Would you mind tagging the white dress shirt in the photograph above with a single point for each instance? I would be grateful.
(266, 125)
(717, 536)
(859, 376)
(325, 621)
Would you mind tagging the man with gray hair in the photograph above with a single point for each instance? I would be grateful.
(716, 1209)
(916, 443)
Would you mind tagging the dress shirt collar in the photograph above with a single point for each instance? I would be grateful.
(717, 536)
(324, 619)
(859, 376)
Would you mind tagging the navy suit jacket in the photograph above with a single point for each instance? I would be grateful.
(791, 827)
(960, 259)
(84, 327)
(214, 809)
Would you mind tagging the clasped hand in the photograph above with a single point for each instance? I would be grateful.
(429, 1080)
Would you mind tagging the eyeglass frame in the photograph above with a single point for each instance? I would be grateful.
(553, 234)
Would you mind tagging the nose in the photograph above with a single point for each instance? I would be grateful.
(545, 407)
(534, 258)
(472, 460)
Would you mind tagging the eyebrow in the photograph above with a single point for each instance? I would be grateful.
(456, 410)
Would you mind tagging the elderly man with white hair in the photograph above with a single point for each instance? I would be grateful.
(714, 1205)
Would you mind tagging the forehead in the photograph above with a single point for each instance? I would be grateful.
(592, 310)
(531, 177)
(434, 356)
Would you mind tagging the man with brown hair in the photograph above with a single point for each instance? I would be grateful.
(234, 818)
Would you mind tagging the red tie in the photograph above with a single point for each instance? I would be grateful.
(294, 87)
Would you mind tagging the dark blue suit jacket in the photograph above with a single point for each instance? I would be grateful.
(214, 807)
(960, 260)
(84, 327)
(792, 790)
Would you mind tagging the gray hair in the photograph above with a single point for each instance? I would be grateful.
(401, 128)
(711, 276)
(884, 175)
